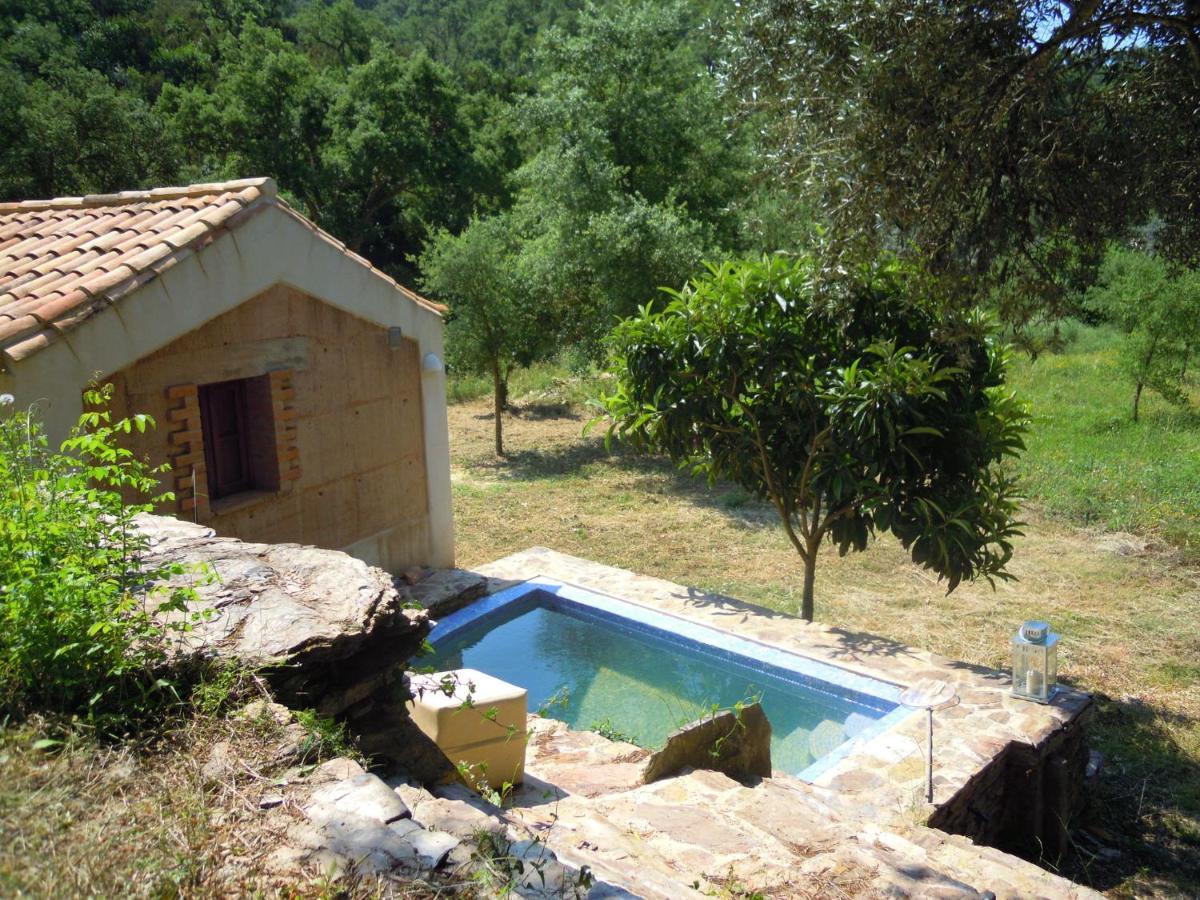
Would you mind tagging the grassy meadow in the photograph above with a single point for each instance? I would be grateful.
(1109, 557)
(1089, 463)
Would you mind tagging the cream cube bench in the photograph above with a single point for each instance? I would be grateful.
(476, 720)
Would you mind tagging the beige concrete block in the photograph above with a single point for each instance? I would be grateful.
(480, 722)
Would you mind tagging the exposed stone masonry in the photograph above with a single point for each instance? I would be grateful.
(1008, 772)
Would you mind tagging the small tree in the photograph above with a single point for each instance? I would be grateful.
(1158, 310)
(496, 322)
(872, 413)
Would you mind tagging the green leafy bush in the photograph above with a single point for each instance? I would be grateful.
(863, 412)
(81, 629)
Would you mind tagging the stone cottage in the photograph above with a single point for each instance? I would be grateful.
(299, 391)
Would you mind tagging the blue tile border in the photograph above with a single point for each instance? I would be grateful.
(874, 694)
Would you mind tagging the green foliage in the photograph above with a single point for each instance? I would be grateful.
(926, 126)
(630, 183)
(1089, 463)
(83, 629)
(633, 174)
(1158, 310)
(71, 130)
(497, 322)
(560, 699)
(222, 687)
(631, 82)
(869, 411)
(325, 738)
(605, 728)
(504, 872)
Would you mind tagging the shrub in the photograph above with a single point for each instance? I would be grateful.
(81, 629)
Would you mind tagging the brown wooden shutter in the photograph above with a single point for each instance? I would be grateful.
(226, 452)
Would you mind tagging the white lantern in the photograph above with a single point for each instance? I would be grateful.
(1035, 662)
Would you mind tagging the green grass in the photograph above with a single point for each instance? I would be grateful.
(561, 380)
(1088, 462)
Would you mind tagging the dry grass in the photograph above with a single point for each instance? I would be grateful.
(1131, 630)
(88, 819)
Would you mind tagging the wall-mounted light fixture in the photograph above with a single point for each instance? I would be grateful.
(395, 337)
(432, 364)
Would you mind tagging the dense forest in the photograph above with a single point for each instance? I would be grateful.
(546, 166)
(383, 122)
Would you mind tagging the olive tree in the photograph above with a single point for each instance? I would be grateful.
(496, 322)
(1157, 308)
(974, 132)
(852, 414)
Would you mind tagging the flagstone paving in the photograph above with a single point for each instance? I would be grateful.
(862, 826)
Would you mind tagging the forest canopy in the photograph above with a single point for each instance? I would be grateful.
(1000, 146)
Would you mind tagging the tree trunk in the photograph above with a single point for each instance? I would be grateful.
(499, 390)
(503, 393)
(1137, 398)
(810, 574)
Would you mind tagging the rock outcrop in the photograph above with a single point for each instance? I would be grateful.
(330, 632)
(736, 742)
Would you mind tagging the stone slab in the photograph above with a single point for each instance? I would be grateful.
(735, 742)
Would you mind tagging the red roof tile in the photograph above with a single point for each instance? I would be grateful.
(62, 260)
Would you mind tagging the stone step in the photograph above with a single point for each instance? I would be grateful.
(354, 822)
(442, 591)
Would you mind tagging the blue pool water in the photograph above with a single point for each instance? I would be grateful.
(607, 664)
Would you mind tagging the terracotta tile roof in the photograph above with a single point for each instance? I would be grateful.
(64, 260)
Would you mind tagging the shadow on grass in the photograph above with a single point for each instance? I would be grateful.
(649, 473)
(537, 412)
(1169, 419)
(1143, 813)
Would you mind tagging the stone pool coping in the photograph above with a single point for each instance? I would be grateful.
(881, 779)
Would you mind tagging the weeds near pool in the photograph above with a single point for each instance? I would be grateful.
(225, 686)
(605, 728)
(560, 699)
(506, 872)
(730, 888)
(325, 738)
(739, 723)
(916, 810)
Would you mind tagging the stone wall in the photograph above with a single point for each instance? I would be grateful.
(346, 437)
(1025, 800)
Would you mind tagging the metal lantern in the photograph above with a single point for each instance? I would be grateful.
(1035, 662)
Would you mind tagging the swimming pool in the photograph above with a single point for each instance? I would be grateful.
(599, 662)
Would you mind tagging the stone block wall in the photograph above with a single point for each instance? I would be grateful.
(343, 445)
(1025, 800)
